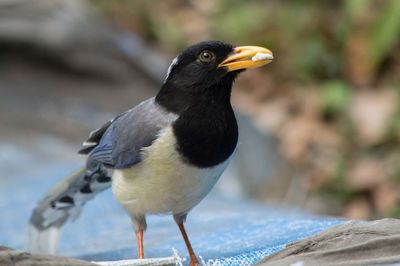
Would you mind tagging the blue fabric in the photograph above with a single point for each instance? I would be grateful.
(226, 232)
(222, 231)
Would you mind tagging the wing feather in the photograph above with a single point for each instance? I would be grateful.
(118, 142)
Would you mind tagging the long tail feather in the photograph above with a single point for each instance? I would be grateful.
(64, 202)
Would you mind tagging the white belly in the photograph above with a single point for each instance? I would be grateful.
(162, 182)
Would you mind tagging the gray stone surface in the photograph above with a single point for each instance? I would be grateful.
(64, 70)
(353, 243)
(9, 257)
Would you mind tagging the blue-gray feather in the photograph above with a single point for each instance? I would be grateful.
(121, 143)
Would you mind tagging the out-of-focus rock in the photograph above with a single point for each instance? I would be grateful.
(371, 112)
(386, 196)
(272, 116)
(72, 35)
(65, 69)
(366, 173)
(257, 163)
(358, 209)
(9, 257)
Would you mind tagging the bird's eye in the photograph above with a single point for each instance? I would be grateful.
(206, 56)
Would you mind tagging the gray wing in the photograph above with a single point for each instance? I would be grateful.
(118, 143)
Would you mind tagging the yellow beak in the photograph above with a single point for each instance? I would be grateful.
(247, 57)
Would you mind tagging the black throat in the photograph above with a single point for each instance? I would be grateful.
(206, 130)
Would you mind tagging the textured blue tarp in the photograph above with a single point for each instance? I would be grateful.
(228, 232)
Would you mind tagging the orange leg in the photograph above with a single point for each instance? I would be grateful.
(139, 236)
(193, 258)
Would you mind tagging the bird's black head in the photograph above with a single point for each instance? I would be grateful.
(207, 69)
(197, 66)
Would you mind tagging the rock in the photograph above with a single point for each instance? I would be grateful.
(371, 112)
(358, 209)
(366, 173)
(9, 257)
(65, 69)
(353, 243)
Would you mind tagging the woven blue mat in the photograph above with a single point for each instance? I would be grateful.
(222, 231)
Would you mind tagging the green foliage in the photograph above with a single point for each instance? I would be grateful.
(385, 32)
(336, 95)
(238, 22)
(337, 183)
(313, 34)
(356, 8)
(394, 123)
(394, 213)
(168, 34)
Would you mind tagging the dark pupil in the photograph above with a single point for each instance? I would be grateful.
(206, 55)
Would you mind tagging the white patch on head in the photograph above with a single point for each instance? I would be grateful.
(173, 63)
(89, 144)
(261, 57)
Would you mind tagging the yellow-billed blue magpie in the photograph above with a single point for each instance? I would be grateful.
(165, 154)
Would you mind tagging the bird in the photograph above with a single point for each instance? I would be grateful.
(162, 156)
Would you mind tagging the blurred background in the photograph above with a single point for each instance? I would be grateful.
(320, 126)
(330, 100)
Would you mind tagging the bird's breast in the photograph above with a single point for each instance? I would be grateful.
(164, 182)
